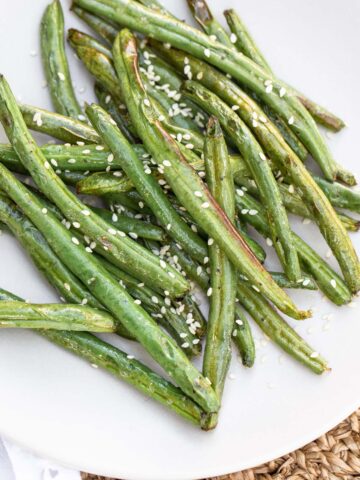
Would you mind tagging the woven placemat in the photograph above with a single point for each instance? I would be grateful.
(333, 456)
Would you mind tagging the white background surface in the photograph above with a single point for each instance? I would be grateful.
(60, 407)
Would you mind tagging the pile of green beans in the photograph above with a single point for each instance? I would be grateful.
(193, 145)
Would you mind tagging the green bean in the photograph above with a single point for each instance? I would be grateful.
(278, 330)
(295, 205)
(114, 297)
(243, 338)
(167, 29)
(222, 289)
(305, 281)
(107, 102)
(55, 316)
(339, 195)
(327, 220)
(57, 274)
(123, 366)
(77, 38)
(104, 29)
(125, 252)
(160, 309)
(58, 126)
(260, 170)
(257, 249)
(193, 269)
(55, 62)
(101, 183)
(146, 184)
(131, 225)
(202, 14)
(245, 44)
(183, 179)
(328, 281)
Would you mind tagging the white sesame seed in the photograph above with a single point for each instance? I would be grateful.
(185, 345)
(130, 357)
(99, 147)
(86, 151)
(189, 146)
(314, 355)
(80, 143)
(76, 224)
(166, 163)
(306, 221)
(240, 192)
(262, 156)
(256, 288)
(233, 38)
(71, 160)
(282, 92)
(205, 205)
(244, 211)
(269, 242)
(306, 282)
(88, 250)
(147, 102)
(210, 241)
(267, 82)
(196, 341)
(67, 287)
(112, 231)
(333, 282)
(110, 158)
(269, 88)
(154, 299)
(137, 301)
(291, 189)
(198, 194)
(85, 212)
(209, 292)
(75, 240)
(255, 123)
(61, 76)
(291, 120)
(235, 107)
(92, 245)
(47, 165)
(54, 162)
(44, 211)
(232, 376)
(239, 322)
(199, 76)
(162, 264)
(206, 260)
(117, 174)
(207, 52)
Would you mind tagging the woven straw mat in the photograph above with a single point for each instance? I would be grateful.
(333, 456)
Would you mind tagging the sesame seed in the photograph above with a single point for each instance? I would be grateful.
(185, 345)
(92, 245)
(168, 226)
(197, 194)
(47, 165)
(147, 102)
(67, 287)
(166, 163)
(71, 160)
(154, 299)
(44, 211)
(207, 52)
(99, 147)
(269, 242)
(314, 355)
(196, 341)
(333, 282)
(137, 302)
(269, 88)
(291, 189)
(306, 221)
(244, 211)
(255, 123)
(61, 76)
(240, 192)
(88, 250)
(256, 288)
(199, 76)
(183, 335)
(239, 322)
(54, 162)
(306, 282)
(75, 240)
(112, 231)
(282, 92)
(232, 376)
(267, 82)
(80, 143)
(130, 357)
(235, 107)
(328, 254)
(110, 158)
(76, 224)
(117, 174)
(210, 241)
(209, 292)
(205, 205)
(291, 120)
(162, 264)
(233, 38)
(86, 151)
(85, 212)
(262, 156)
(206, 260)
(189, 146)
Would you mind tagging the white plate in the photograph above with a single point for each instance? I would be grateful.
(60, 407)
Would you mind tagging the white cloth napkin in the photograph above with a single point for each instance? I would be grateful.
(18, 464)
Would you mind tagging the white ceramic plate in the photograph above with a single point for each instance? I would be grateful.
(60, 407)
